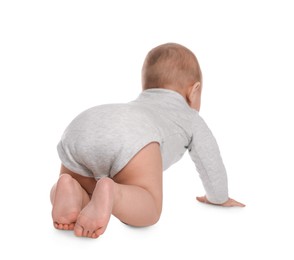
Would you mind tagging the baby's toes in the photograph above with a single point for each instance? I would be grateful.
(78, 230)
(71, 226)
(59, 226)
(95, 235)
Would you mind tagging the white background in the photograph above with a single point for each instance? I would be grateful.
(58, 58)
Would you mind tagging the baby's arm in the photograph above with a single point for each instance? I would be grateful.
(205, 153)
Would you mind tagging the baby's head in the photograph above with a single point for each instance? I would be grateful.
(173, 66)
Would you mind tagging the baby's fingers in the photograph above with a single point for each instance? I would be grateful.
(229, 203)
(203, 199)
(233, 203)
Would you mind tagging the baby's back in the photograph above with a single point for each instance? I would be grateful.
(104, 138)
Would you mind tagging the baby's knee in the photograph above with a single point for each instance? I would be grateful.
(155, 219)
(155, 216)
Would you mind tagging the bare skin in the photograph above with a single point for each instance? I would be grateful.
(94, 217)
(68, 198)
(229, 203)
(134, 196)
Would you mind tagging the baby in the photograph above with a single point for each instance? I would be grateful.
(113, 156)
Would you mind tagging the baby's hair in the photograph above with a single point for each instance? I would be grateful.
(170, 65)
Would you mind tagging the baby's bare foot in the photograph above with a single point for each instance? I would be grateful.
(94, 218)
(67, 202)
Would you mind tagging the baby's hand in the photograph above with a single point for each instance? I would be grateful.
(229, 203)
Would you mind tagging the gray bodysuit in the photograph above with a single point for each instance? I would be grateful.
(102, 140)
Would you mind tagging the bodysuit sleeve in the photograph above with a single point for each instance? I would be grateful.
(205, 153)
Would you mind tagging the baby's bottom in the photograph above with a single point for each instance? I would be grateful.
(134, 196)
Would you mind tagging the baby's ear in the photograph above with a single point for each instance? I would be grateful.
(196, 87)
(194, 90)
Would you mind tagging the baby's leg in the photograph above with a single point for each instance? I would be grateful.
(134, 195)
(139, 188)
(67, 198)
